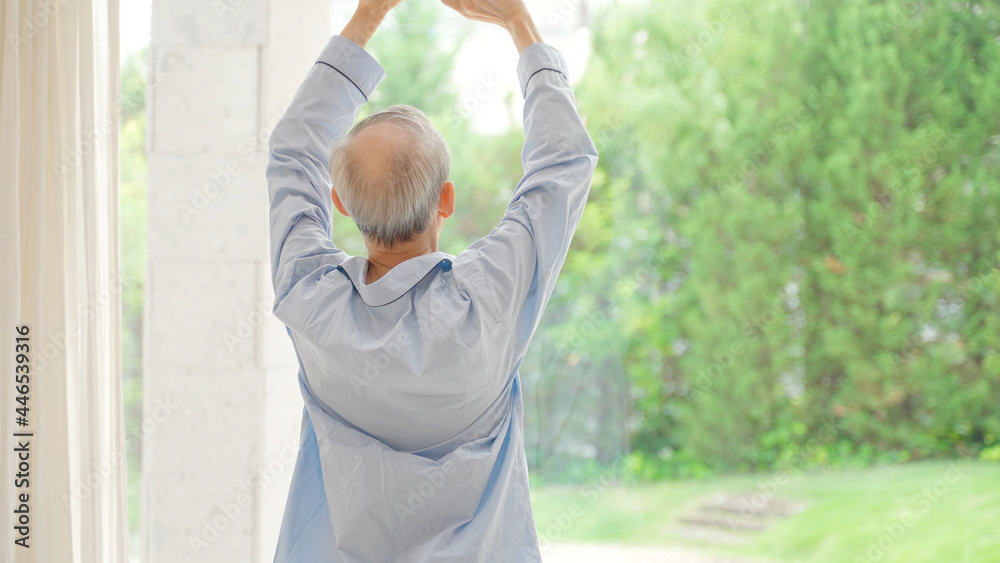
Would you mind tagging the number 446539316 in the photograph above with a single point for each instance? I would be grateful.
(22, 373)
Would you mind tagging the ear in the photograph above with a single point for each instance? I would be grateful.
(446, 204)
(337, 202)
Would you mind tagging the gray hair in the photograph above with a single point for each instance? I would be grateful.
(398, 200)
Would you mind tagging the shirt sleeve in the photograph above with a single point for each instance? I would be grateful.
(513, 270)
(322, 110)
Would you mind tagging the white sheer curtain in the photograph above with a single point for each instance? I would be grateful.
(59, 275)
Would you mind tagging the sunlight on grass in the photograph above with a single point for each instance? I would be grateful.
(936, 511)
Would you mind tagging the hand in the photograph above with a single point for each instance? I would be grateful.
(512, 15)
(499, 12)
(366, 20)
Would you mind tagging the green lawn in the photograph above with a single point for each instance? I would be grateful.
(917, 512)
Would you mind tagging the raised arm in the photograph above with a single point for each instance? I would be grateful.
(515, 267)
(367, 17)
(322, 110)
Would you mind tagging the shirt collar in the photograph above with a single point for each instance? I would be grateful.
(396, 281)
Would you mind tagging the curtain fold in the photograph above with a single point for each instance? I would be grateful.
(59, 276)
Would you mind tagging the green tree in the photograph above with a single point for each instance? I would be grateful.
(902, 206)
(817, 187)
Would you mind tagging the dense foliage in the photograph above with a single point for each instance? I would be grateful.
(818, 187)
(790, 254)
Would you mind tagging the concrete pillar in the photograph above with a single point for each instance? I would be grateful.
(222, 406)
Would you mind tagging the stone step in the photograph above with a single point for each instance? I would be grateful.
(748, 505)
(728, 523)
(734, 518)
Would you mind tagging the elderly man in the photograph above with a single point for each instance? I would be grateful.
(412, 434)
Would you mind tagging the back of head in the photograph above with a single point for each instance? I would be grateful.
(388, 172)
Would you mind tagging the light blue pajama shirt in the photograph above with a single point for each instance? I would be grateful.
(412, 434)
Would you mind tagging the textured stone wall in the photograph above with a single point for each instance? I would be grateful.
(222, 403)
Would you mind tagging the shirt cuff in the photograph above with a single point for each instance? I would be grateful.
(539, 57)
(356, 64)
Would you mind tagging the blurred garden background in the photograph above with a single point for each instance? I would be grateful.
(777, 334)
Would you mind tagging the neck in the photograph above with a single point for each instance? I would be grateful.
(382, 259)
